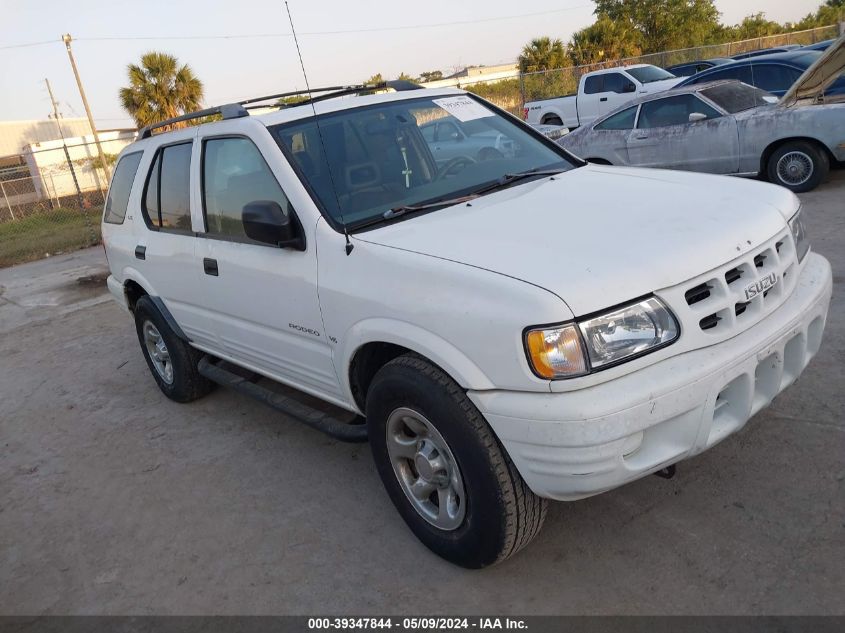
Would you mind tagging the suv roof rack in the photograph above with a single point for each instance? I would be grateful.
(240, 109)
(227, 111)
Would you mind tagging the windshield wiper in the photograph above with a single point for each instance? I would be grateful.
(406, 209)
(508, 179)
(395, 212)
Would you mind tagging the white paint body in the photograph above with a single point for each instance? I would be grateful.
(460, 285)
(582, 108)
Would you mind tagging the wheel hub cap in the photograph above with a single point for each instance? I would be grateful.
(426, 469)
(795, 168)
(157, 349)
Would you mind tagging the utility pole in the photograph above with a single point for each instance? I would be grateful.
(64, 145)
(67, 40)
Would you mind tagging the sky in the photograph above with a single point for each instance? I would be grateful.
(386, 37)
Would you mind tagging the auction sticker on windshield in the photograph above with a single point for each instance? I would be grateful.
(463, 108)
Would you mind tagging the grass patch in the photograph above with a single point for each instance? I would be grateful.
(51, 232)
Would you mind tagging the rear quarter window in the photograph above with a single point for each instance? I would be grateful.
(121, 187)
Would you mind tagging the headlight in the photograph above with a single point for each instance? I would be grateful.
(799, 234)
(576, 349)
(628, 331)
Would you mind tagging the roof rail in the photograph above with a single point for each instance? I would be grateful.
(227, 111)
(240, 109)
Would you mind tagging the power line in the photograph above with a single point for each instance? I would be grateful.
(28, 44)
(404, 27)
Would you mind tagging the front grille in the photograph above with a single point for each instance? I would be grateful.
(699, 293)
(732, 275)
(715, 304)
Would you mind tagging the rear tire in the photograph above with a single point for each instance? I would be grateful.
(172, 362)
(798, 165)
(552, 120)
(444, 469)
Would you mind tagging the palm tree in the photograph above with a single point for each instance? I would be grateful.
(160, 89)
(542, 53)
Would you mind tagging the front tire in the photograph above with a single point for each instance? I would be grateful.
(444, 469)
(798, 165)
(172, 362)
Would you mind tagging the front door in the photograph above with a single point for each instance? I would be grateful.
(261, 300)
(666, 137)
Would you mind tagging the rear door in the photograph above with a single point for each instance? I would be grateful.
(665, 137)
(619, 89)
(165, 244)
(260, 300)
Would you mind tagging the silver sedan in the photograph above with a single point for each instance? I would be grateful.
(727, 127)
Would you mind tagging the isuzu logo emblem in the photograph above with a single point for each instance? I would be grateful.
(761, 285)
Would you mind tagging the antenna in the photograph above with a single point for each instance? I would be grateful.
(349, 245)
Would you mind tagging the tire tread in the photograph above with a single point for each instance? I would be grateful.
(525, 511)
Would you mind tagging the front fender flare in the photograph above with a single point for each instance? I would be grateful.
(415, 338)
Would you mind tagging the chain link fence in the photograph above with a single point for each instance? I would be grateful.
(512, 93)
(51, 201)
(564, 81)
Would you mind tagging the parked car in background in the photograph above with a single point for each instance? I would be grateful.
(599, 92)
(772, 73)
(727, 127)
(765, 51)
(688, 69)
(818, 46)
(449, 138)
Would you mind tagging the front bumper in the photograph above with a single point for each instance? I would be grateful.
(580, 443)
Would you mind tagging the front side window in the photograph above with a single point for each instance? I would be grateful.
(615, 82)
(234, 174)
(121, 186)
(167, 199)
(774, 77)
(673, 111)
(362, 162)
(620, 121)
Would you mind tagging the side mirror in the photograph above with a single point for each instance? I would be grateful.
(265, 222)
(697, 116)
(629, 87)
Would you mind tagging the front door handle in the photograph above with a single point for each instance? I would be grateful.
(641, 137)
(210, 266)
(602, 98)
(140, 252)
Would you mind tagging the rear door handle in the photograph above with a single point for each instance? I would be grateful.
(602, 98)
(140, 252)
(641, 137)
(210, 266)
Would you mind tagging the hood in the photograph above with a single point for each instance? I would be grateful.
(663, 84)
(597, 236)
(819, 76)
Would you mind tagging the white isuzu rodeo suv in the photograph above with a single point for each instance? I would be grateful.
(505, 327)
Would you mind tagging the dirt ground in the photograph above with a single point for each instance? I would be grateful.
(114, 500)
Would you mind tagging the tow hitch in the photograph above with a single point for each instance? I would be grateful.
(666, 473)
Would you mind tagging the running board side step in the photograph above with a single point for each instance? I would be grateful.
(314, 418)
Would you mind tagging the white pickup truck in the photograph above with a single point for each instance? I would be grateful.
(599, 92)
(503, 327)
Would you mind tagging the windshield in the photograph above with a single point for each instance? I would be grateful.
(375, 158)
(735, 97)
(649, 74)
